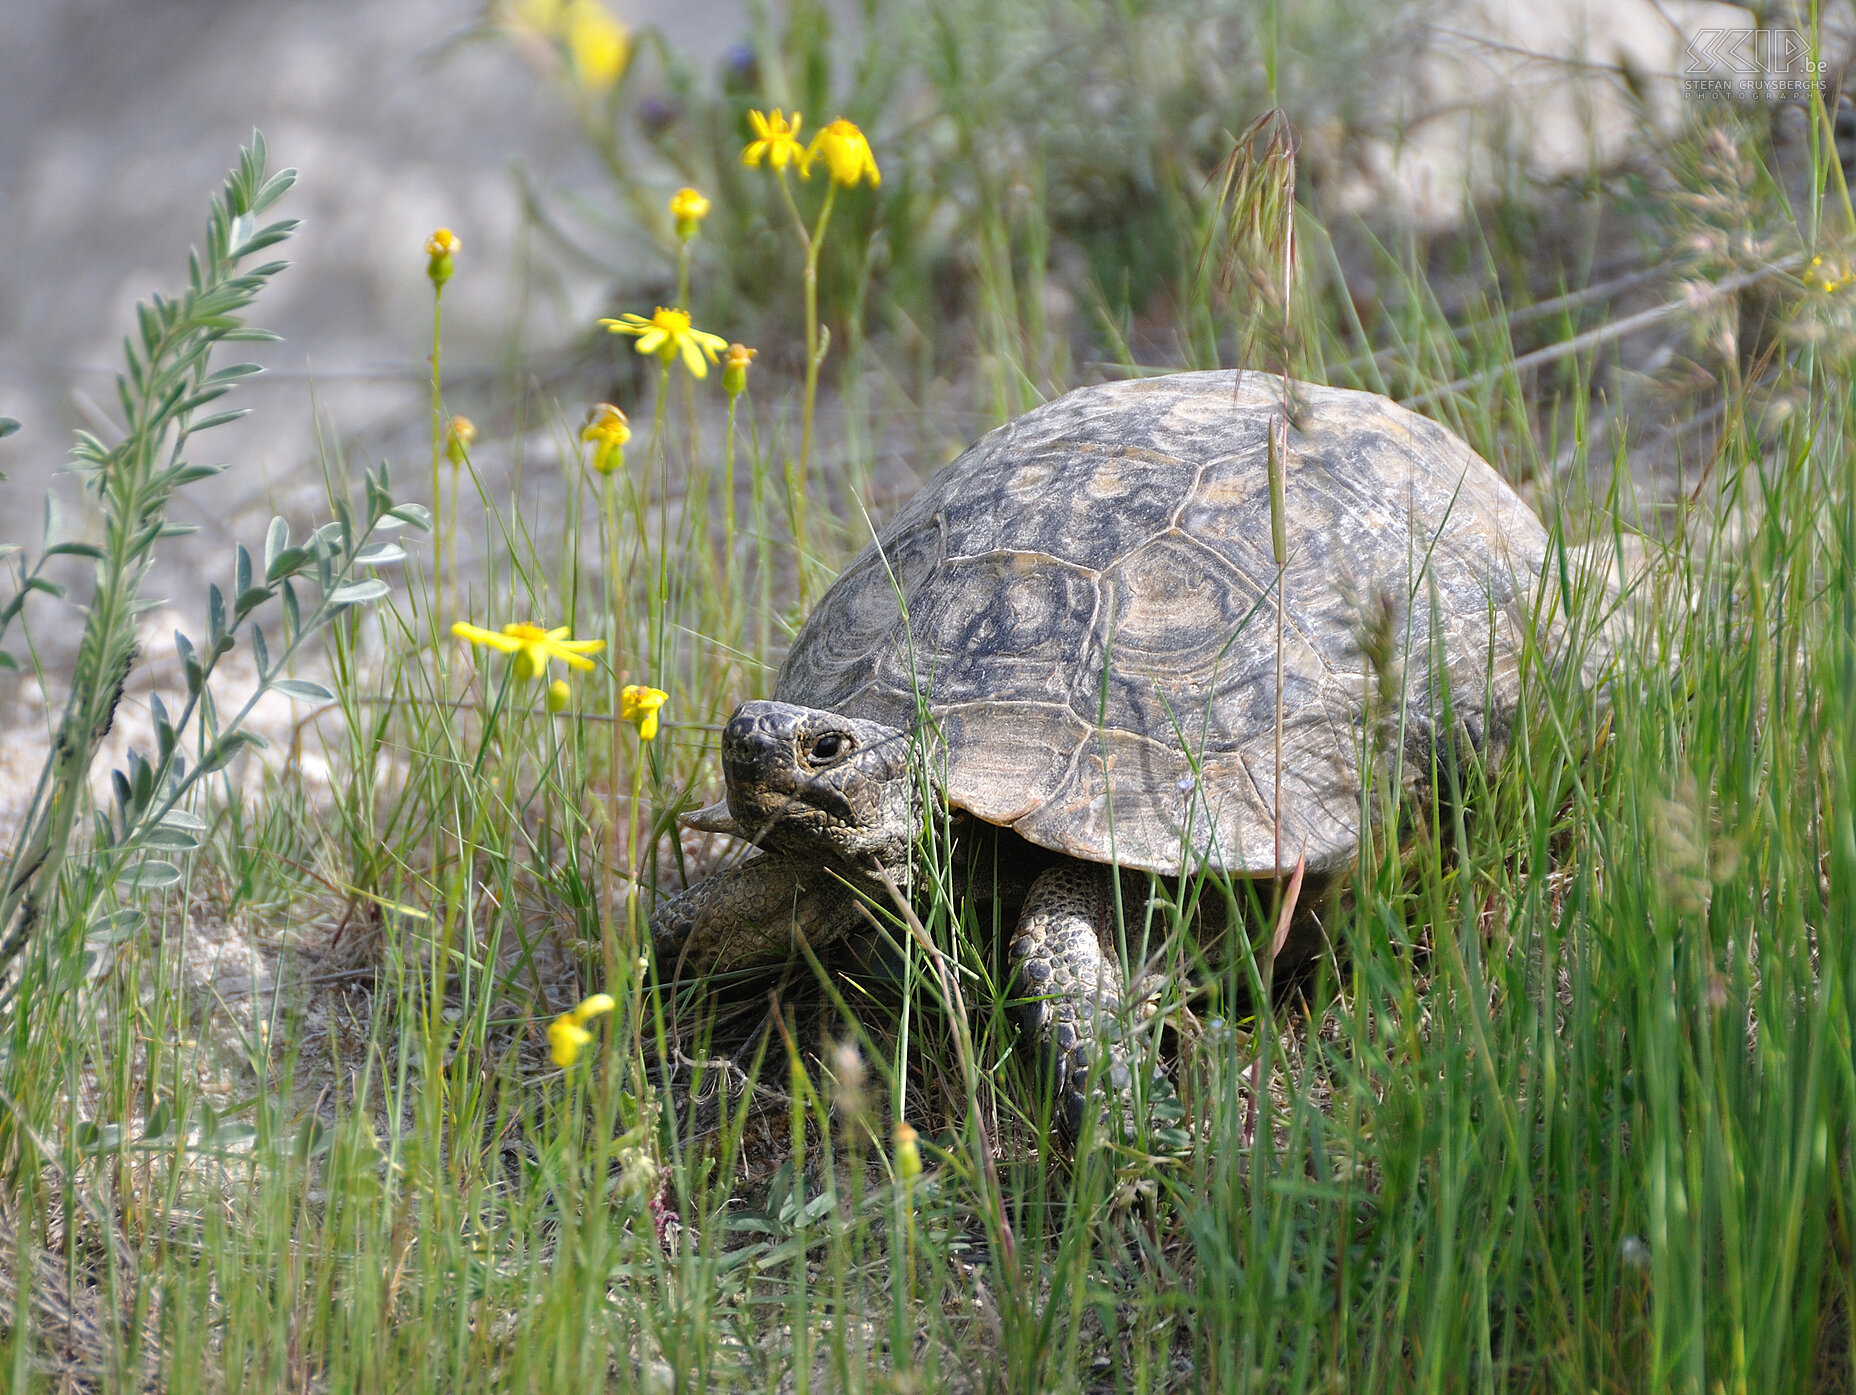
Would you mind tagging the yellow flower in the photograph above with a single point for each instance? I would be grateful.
(565, 1040)
(668, 332)
(689, 208)
(459, 439)
(908, 1154)
(599, 46)
(597, 41)
(440, 248)
(847, 153)
(778, 142)
(638, 704)
(735, 369)
(567, 1034)
(595, 1006)
(533, 646)
(608, 431)
(559, 695)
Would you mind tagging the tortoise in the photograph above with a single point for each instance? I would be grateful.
(1070, 635)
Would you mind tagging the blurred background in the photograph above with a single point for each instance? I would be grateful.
(119, 117)
(1048, 167)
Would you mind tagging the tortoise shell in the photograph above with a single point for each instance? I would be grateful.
(1085, 602)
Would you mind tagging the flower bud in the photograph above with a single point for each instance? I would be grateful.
(459, 439)
(735, 370)
(908, 1154)
(559, 695)
(608, 431)
(689, 208)
(440, 248)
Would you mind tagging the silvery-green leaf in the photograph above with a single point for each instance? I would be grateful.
(219, 419)
(355, 592)
(171, 839)
(227, 1136)
(276, 539)
(313, 1140)
(380, 554)
(75, 549)
(303, 688)
(159, 1123)
(92, 1137)
(180, 818)
(287, 561)
(151, 875)
(114, 928)
(416, 514)
(229, 746)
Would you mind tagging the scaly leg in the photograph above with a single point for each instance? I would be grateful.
(751, 915)
(1066, 985)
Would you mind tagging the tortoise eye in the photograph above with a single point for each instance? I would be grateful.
(830, 746)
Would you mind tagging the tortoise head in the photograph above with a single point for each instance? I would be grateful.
(816, 784)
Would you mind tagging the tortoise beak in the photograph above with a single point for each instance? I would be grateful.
(712, 818)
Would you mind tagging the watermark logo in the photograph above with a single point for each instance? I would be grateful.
(1752, 65)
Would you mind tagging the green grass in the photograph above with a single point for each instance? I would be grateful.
(1570, 1110)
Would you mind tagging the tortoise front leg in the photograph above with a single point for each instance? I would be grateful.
(1066, 985)
(751, 915)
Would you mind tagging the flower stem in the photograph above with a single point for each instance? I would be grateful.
(660, 448)
(816, 345)
(438, 445)
(615, 670)
(689, 383)
(728, 516)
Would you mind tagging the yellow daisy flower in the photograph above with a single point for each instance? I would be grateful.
(533, 646)
(847, 153)
(638, 705)
(667, 333)
(777, 142)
